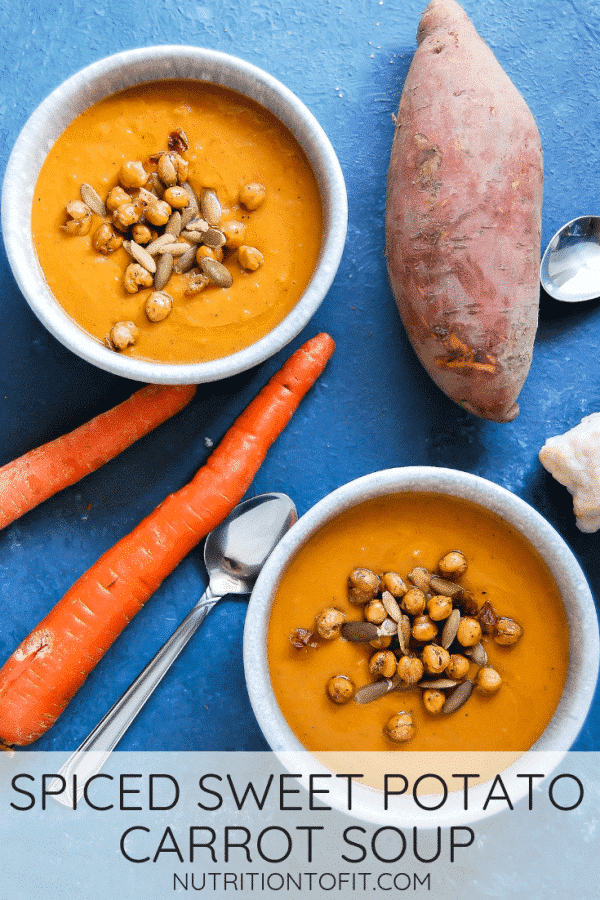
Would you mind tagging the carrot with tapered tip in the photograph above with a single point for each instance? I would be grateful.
(52, 663)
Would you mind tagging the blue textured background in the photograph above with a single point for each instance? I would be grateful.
(374, 407)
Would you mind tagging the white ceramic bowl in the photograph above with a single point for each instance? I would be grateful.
(125, 70)
(578, 601)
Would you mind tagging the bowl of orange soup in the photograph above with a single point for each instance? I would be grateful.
(173, 214)
(421, 620)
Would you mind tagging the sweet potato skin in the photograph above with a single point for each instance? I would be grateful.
(463, 216)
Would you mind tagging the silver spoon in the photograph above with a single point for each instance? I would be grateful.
(234, 554)
(570, 268)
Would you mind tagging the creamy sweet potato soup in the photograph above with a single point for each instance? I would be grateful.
(507, 592)
(230, 145)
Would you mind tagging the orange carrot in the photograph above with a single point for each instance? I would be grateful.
(41, 473)
(52, 663)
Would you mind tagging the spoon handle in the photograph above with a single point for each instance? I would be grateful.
(91, 755)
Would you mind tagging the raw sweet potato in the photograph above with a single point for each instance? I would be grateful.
(463, 218)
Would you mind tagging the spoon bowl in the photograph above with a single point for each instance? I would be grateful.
(234, 553)
(570, 267)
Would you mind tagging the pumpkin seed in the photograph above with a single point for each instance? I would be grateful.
(404, 632)
(478, 654)
(210, 206)
(444, 587)
(173, 226)
(141, 255)
(450, 628)
(185, 262)
(458, 697)
(92, 198)
(178, 248)
(358, 632)
(193, 207)
(214, 238)
(154, 247)
(221, 276)
(372, 691)
(163, 271)
(197, 224)
(194, 237)
(438, 684)
(390, 606)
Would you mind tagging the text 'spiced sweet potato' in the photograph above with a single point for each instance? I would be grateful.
(463, 223)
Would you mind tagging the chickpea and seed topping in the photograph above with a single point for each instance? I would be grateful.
(152, 200)
(340, 688)
(400, 728)
(404, 632)
(329, 623)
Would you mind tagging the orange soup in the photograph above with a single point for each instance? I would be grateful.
(232, 143)
(398, 534)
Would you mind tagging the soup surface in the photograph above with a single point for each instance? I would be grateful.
(397, 533)
(232, 142)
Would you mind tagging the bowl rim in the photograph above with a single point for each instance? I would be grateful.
(118, 72)
(584, 660)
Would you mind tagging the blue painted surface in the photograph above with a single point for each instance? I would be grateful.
(373, 408)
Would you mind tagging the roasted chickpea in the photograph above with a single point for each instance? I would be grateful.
(340, 688)
(158, 213)
(392, 582)
(234, 234)
(488, 680)
(423, 629)
(123, 335)
(80, 218)
(194, 283)
(435, 659)
(507, 632)
(133, 174)
(469, 632)
(410, 669)
(158, 306)
(106, 240)
(126, 215)
(457, 667)
(414, 602)
(375, 612)
(250, 258)
(433, 701)
(400, 728)
(439, 607)
(383, 663)
(420, 577)
(453, 564)
(135, 277)
(363, 585)
(329, 622)
(141, 234)
(177, 197)
(117, 197)
(252, 195)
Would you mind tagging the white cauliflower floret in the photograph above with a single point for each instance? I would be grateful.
(573, 459)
